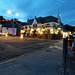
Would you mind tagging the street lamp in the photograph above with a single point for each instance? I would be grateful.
(9, 12)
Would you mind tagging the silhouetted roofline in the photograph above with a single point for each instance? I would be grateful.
(43, 20)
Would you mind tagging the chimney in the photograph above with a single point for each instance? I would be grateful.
(59, 20)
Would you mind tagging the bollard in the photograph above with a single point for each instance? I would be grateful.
(64, 55)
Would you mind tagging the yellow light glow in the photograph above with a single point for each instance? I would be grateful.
(21, 36)
(3, 33)
(17, 14)
(6, 34)
(57, 31)
(38, 28)
(64, 34)
(39, 31)
(59, 28)
(51, 32)
(51, 29)
(43, 29)
(31, 29)
(22, 31)
(8, 11)
(70, 33)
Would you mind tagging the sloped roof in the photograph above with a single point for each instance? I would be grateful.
(30, 22)
(40, 20)
(50, 19)
(65, 30)
(43, 20)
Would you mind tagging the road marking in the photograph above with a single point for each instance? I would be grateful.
(9, 60)
(55, 47)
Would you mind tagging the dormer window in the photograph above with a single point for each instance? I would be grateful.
(54, 25)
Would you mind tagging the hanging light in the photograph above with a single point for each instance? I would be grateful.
(51, 29)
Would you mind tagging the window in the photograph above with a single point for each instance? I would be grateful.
(43, 25)
(48, 31)
(25, 27)
(29, 26)
(7, 28)
(47, 25)
(35, 25)
(54, 25)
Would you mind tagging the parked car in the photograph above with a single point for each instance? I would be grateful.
(70, 39)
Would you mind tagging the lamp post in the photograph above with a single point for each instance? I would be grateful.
(13, 24)
(9, 12)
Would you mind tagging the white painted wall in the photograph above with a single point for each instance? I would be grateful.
(10, 30)
(35, 22)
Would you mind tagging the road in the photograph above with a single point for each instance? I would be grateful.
(11, 47)
(37, 56)
(70, 66)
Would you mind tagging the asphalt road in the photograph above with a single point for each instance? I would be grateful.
(11, 47)
(38, 56)
(31, 56)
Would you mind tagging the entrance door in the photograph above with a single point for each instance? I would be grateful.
(34, 31)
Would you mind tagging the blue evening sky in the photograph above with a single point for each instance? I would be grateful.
(31, 8)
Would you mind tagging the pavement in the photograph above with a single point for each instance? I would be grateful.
(47, 61)
(70, 67)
